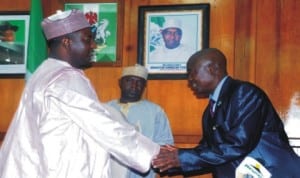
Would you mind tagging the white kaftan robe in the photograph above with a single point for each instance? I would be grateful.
(61, 130)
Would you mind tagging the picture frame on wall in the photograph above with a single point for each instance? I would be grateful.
(14, 30)
(169, 35)
(104, 18)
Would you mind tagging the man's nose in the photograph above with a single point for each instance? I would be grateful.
(172, 35)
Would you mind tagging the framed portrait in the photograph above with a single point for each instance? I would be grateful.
(104, 19)
(14, 30)
(169, 35)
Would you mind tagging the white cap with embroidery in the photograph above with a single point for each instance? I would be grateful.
(64, 22)
(136, 70)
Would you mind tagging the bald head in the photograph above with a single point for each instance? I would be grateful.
(214, 57)
(206, 68)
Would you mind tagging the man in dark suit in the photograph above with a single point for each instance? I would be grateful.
(241, 123)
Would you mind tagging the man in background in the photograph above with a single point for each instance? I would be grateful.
(172, 49)
(61, 129)
(147, 117)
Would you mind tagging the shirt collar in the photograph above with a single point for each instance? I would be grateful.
(216, 93)
(129, 103)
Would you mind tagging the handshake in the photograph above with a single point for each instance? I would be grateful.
(166, 159)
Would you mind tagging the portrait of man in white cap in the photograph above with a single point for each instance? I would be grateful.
(172, 49)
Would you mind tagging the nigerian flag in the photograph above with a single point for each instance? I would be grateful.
(37, 47)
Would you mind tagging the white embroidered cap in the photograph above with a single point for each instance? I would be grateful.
(172, 23)
(64, 22)
(136, 70)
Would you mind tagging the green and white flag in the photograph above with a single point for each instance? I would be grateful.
(37, 46)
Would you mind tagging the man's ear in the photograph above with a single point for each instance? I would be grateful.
(66, 42)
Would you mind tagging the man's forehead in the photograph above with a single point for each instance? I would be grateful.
(200, 62)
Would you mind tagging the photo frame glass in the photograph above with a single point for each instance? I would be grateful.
(103, 18)
(14, 30)
(169, 36)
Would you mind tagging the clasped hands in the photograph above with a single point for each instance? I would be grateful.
(166, 159)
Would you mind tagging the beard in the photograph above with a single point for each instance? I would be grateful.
(172, 45)
(131, 96)
(86, 66)
(80, 63)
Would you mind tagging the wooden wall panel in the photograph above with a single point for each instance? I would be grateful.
(16, 5)
(10, 93)
(289, 53)
(222, 32)
(243, 40)
(276, 48)
(267, 48)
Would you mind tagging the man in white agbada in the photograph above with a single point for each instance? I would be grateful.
(172, 50)
(60, 129)
(146, 116)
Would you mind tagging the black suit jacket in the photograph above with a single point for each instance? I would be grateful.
(245, 123)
